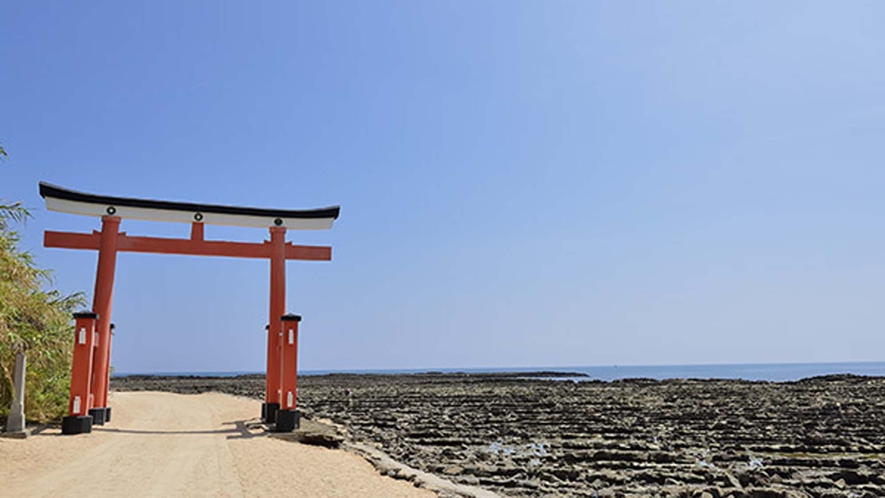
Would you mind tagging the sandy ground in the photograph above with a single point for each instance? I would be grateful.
(162, 444)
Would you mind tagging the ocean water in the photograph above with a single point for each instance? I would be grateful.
(772, 372)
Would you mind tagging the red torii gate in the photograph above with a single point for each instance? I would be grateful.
(92, 341)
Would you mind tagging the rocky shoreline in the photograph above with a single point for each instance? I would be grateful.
(529, 435)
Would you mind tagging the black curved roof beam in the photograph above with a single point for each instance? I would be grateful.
(71, 201)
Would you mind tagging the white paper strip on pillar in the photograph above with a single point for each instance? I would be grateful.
(82, 338)
(291, 336)
(77, 404)
(289, 400)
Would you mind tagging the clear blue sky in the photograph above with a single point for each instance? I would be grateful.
(522, 183)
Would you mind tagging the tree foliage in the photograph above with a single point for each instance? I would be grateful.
(35, 318)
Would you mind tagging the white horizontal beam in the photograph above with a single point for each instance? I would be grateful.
(151, 214)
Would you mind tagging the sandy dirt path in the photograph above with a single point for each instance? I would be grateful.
(162, 444)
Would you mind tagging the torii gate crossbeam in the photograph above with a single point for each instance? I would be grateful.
(90, 373)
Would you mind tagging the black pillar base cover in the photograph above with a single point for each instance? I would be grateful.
(107, 414)
(99, 415)
(287, 421)
(269, 412)
(74, 424)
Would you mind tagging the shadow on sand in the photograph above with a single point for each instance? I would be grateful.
(242, 429)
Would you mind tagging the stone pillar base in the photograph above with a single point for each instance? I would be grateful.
(74, 424)
(17, 434)
(287, 421)
(269, 412)
(99, 415)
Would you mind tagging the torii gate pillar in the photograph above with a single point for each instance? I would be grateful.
(288, 417)
(101, 306)
(272, 391)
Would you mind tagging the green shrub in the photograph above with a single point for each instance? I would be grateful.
(36, 318)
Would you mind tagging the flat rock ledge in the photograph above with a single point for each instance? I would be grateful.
(397, 470)
(314, 433)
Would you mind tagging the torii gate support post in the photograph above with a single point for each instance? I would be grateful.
(101, 305)
(78, 420)
(272, 392)
(288, 418)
